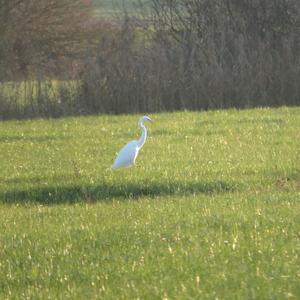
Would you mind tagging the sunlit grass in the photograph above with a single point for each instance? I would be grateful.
(211, 210)
(22, 93)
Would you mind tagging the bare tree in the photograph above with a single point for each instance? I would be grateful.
(36, 33)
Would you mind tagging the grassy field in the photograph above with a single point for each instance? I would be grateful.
(111, 7)
(210, 211)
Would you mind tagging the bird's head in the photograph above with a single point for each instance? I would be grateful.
(144, 119)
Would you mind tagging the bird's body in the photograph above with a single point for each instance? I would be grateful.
(127, 155)
(130, 151)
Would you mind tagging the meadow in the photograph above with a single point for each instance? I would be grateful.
(210, 211)
(109, 8)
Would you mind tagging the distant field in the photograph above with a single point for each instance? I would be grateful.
(210, 211)
(110, 7)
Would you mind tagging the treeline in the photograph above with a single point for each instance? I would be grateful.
(170, 55)
(39, 37)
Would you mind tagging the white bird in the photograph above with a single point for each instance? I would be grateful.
(130, 151)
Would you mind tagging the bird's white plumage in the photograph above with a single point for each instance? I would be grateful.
(129, 152)
(127, 155)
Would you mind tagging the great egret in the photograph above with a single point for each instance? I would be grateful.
(130, 151)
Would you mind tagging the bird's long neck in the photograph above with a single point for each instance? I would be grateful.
(143, 137)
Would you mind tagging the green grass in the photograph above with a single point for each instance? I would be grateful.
(210, 211)
(24, 92)
(106, 8)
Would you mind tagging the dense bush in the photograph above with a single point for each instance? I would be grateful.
(189, 54)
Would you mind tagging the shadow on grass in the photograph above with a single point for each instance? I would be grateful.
(107, 192)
